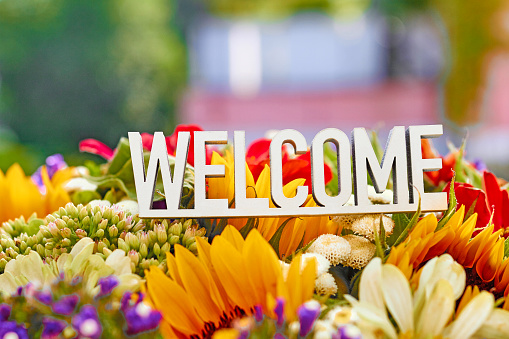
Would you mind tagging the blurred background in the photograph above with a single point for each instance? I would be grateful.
(71, 70)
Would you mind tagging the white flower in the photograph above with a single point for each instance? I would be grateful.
(332, 247)
(322, 264)
(325, 284)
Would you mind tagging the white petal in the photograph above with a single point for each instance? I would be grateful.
(373, 316)
(472, 316)
(437, 310)
(398, 297)
(370, 286)
(496, 326)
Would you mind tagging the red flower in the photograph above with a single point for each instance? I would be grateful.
(96, 147)
(258, 155)
(446, 173)
(490, 200)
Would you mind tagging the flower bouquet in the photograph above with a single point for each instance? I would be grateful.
(77, 261)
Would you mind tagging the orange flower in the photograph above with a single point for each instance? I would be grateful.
(297, 231)
(485, 251)
(229, 278)
(20, 196)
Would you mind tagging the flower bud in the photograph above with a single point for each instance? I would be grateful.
(103, 224)
(188, 223)
(50, 218)
(81, 233)
(156, 249)
(7, 227)
(113, 231)
(60, 223)
(44, 231)
(175, 229)
(22, 247)
(66, 242)
(121, 225)
(115, 219)
(143, 238)
(71, 210)
(62, 211)
(40, 249)
(132, 241)
(100, 247)
(83, 213)
(99, 233)
(106, 242)
(143, 251)
(139, 226)
(123, 245)
(108, 213)
(190, 241)
(53, 230)
(193, 248)
(174, 239)
(165, 224)
(11, 252)
(152, 236)
(161, 234)
(165, 248)
(65, 232)
(49, 245)
(107, 252)
(3, 263)
(134, 256)
(85, 221)
(97, 217)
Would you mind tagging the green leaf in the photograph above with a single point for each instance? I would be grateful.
(250, 224)
(506, 248)
(378, 242)
(122, 155)
(452, 206)
(459, 166)
(400, 222)
(410, 225)
(84, 197)
(274, 241)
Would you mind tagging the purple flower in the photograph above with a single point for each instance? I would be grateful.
(66, 304)
(54, 163)
(258, 313)
(44, 297)
(86, 322)
(347, 332)
(124, 302)
(140, 318)
(308, 313)
(279, 310)
(279, 336)
(10, 329)
(5, 312)
(107, 285)
(52, 328)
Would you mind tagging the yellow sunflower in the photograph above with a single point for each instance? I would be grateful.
(297, 231)
(230, 277)
(20, 196)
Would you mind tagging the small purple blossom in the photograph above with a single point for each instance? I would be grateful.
(12, 329)
(5, 312)
(124, 302)
(86, 322)
(44, 297)
(52, 328)
(308, 313)
(347, 332)
(258, 312)
(107, 285)
(140, 318)
(279, 310)
(54, 163)
(279, 336)
(66, 304)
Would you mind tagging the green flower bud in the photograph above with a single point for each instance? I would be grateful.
(175, 229)
(65, 219)
(134, 256)
(71, 224)
(11, 252)
(49, 245)
(165, 224)
(50, 218)
(161, 234)
(83, 213)
(65, 232)
(144, 239)
(107, 252)
(62, 211)
(71, 210)
(152, 236)
(81, 233)
(40, 249)
(44, 231)
(190, 241)
(174, 239)
(123, 245)
(156, 249)
(108, 213)
(66, 242)
(115, 219)
(103, 224)
(97, 217)
(100, 247)
(113, 231)
(3, 263)
(106, 242)
(7, 228)
(188, 223)
(85, 221)
(23, 246)
(138, 227)
(60, 223)
(121, 225)
(48, 253)
(132, 241)
(143, 250)
(193, 248)
(99, 233)
(55, 232)
(165, 248)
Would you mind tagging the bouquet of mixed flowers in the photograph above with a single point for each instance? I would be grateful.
(76, 260)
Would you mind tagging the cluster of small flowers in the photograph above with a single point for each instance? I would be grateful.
(65, 312)
(145, 241)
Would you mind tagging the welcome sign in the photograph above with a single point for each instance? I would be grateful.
(356, 159)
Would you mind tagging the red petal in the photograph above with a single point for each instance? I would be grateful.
(494, 197)
(96, 147)
(146, 140)
(171, 141)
